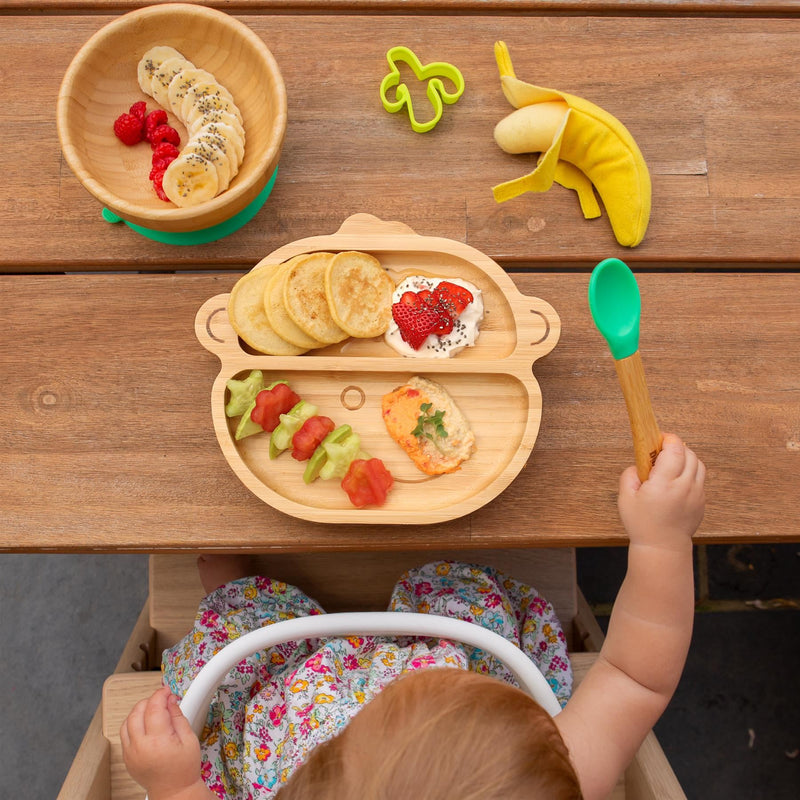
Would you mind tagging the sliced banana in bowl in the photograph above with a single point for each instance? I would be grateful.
(208, 95)
(150, 63)
(211, 153)
(178, 89)
(163, 77)
(116, 67)
(198, 119)
(215, 149)
(226, 137)
(191, 179)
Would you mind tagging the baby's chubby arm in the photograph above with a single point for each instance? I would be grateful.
(650, 629)
(161, 751)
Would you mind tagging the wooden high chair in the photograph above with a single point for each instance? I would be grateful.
(340, 582)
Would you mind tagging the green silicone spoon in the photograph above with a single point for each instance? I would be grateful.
(616, 306)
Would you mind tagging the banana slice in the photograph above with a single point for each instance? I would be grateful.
(190, 180)
(196, 120)
(181, 84)
(221, 152)
(163, 77)
(209, 152)
(221, 141)
(225, 138)
(149, 64)
(208, 96)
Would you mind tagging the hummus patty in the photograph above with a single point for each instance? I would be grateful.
(436, 442)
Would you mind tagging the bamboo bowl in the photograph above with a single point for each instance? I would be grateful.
(101, 83)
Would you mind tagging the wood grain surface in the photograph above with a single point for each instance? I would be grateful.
(586, 7)
(709, 100)
(107, 441)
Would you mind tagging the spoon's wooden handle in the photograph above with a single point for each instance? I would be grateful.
(646, 434)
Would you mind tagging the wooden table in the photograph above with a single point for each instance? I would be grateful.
(106, 441)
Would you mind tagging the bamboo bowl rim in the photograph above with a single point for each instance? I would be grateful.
(162, 21)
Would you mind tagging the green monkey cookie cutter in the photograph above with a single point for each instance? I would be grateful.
(433, 74)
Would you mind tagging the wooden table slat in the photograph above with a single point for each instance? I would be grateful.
(106, 441)
(710, 101)
(571, 7)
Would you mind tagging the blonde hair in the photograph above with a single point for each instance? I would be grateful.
(441, 733)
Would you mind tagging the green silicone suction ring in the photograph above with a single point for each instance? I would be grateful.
(205, 235)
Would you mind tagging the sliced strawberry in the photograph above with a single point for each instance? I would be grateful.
(425, 295)
(410, 299)
(444, 325)
(415, 324)
(452, 298)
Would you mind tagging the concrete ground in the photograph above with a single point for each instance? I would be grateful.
(732, 731)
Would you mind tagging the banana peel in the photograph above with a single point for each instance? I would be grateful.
(588, 148)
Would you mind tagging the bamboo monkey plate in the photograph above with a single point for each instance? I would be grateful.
(492, 383)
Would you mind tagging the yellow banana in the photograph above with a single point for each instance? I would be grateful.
(582, 146)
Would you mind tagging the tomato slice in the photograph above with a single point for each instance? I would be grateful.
(310, 435)
(367, 482)
(271, 403)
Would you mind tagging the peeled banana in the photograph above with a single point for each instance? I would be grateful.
(582, 146)
(211, 158)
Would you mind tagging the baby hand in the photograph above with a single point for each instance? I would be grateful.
(668, 507)
(160, 748)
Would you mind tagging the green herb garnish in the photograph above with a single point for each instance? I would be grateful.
(427, 421)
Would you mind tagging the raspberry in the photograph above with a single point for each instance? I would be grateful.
(157, 176)
(128, 129)
(164, 154)
(138, 110)
(164, 133)
(153, 120)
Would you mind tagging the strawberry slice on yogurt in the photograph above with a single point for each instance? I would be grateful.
(434, 317)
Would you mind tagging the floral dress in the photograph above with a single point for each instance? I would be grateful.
(278, 704)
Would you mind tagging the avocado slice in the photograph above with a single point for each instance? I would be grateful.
(340, 455)
(243, 393)
(246, 426)
(320, 455)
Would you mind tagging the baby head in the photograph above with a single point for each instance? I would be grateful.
(442, 733)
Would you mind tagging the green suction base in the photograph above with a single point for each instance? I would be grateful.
(205, 235)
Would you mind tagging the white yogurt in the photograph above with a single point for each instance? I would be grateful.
(465, 328)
